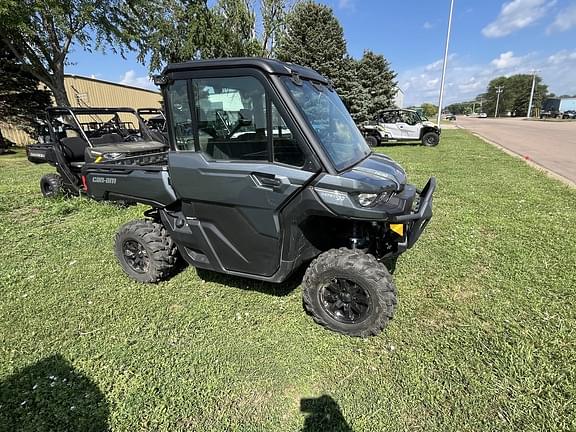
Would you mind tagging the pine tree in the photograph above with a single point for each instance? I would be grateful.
(378, 85)
(314, 38)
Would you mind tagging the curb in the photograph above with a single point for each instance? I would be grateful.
(525, 158)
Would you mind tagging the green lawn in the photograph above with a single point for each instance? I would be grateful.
(483, 338)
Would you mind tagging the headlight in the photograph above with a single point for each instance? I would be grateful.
(112, 156)
(371, 199)
(367, 199)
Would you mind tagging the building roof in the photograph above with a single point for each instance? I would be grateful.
(270, 66)
(111, 83)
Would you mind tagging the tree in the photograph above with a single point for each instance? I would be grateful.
(515, 96)
(429, 110)
(377, 83)
(234, 30)
(177, 30)
(22, 102)
(182, 30)
(314, 38)
(40, 33)
(274, 13)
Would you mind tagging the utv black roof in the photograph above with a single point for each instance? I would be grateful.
(269, 66)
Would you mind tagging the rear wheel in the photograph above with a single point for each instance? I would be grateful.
(145, 251)
(51, 186)
(372, 141)
(349, 292)
(430, 139)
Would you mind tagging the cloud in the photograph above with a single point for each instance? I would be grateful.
(562, 57)
(565, 20)
(506, 60)
(515, 15)
(428, 25)
(437, 65)
(465, 80)
(130, 78)
(346, 4)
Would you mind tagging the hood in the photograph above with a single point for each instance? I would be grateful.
(430, 124)
(378, 170)
(372, 175)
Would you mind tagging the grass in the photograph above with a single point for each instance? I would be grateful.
(483, 338)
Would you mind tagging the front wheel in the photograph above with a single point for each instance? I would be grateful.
(349, 292)
(145, 251)
(430, 139)
(372, 141)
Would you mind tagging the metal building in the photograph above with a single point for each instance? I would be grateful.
(91, 92)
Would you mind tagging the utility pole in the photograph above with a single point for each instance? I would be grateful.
(499, 90)
(445, 63)
(529, 113)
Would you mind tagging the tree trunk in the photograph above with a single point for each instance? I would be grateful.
(59, 93)
(3, 145)
(56, 84)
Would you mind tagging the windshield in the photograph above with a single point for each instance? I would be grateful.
(331, 122)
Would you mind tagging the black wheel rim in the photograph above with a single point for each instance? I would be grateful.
(431, 140)
(345, 301)
(136, 256)
(47, 188)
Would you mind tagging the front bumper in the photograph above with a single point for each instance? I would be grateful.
(417, 220)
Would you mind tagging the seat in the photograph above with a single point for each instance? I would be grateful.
(74, 148)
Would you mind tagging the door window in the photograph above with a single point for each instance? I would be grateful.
(179, 101)
(286, 148)
(231, 116)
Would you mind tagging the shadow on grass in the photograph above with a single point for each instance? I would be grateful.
(323, 414)
(383, 146)
(51, 396)
(275, 289)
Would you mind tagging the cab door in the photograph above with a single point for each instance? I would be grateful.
(237, 162)
(410, 126)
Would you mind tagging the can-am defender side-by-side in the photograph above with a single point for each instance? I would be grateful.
(72, 137)
(400, 125)
(268, 173)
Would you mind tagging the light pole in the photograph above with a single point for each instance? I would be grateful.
(529, 113)
(445, 63)
(499, 90)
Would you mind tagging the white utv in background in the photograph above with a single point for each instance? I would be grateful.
(395, 125)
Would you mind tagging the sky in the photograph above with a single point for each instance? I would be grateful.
(490, 38)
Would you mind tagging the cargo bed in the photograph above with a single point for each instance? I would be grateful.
(130, 179)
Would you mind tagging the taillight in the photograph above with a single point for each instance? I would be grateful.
(84, 184)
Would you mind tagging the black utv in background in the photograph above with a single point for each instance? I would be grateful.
(72, 137)
(267, 173)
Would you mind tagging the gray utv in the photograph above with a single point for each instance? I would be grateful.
(268, 174)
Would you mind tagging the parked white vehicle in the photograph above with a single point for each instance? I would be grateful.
(395, 125)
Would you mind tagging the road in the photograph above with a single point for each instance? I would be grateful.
(551, 145)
